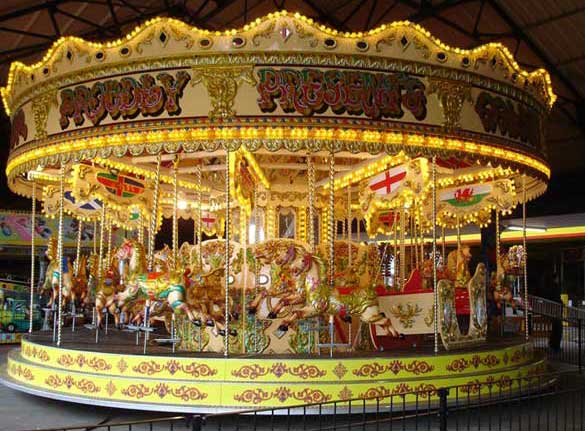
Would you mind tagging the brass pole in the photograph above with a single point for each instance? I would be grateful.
(60, 251)
(153, 217)
(435, 290)
(32, 255)
(524, 256)
(227, 251)
(175, 216)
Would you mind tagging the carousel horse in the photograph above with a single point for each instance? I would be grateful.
(206, 280)
(105, 297)
(458, 266)
(499, 283)
(165, 286)
(287, 261)
(92, 276)
(81, 281)
(52, 274)
(316, 298)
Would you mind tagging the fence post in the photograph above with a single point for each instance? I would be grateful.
(580, 349)
(443, 411)
(196, 423)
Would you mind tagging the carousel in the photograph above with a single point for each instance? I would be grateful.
(317, 172)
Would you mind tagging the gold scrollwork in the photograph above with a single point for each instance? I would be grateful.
(40, 109)
(222, 86)
(452, 95)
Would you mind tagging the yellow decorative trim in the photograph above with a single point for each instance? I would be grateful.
(264, 382)
(496, 54)
(375, 141)
(222, 84)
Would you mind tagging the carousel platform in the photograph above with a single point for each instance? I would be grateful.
(115, 373)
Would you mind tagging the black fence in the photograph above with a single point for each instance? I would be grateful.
(544, 402)
(561, 339)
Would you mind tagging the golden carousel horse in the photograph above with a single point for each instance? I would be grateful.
(313, 297)
(458, 266)
(52, 275)
(154, 286)
(206, 280)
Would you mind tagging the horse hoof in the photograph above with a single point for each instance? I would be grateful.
(197, 323)
(272, 315)
(235, 316)
(221, 332)
(252, 310)
(283, 328)
(233, 332)
(346, 318)
(401, 336)
(382, 314)
(210, 323)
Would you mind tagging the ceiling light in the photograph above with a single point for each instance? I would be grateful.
(528, 228)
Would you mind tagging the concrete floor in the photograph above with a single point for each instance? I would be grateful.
(19, 411)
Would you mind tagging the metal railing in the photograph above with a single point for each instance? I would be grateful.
(554, 309)
(541, 402)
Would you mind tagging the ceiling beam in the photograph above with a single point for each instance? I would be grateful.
(547, 62)
(326, 17)
(27, 33)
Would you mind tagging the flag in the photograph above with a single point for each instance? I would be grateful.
(466, 196)
(388, 181)
(208, 221)
(92, 205)
(120, 185)
(388, 218)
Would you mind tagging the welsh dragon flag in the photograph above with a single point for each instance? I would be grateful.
(466, 196)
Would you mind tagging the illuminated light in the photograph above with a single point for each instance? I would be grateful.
(528, 228)
(182, 205)
(249, 133)
(498, 50)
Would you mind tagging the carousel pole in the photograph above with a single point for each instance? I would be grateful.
(244, 241)
(349, 224)
(226, 344)
(100, 275)
(94, 248)
(175, 215)
(402, 278)
(435, 290)
(199, 213)
(411, 235)
(151, 239)
(256, 266)
(109, 249)
(140, 237)
(153, 216)
(311, 179)
(524, 256)
(78, 249)
(60, 251)
(422, 243)
(396, 278)
(443, 245)
(76, 271)
(497, 247)
(32, 255)
(332, 226)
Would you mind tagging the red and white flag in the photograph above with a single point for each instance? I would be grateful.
(388, 181)
(208, 220)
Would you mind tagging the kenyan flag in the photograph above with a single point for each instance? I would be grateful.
(120, 185)
(466, 196)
